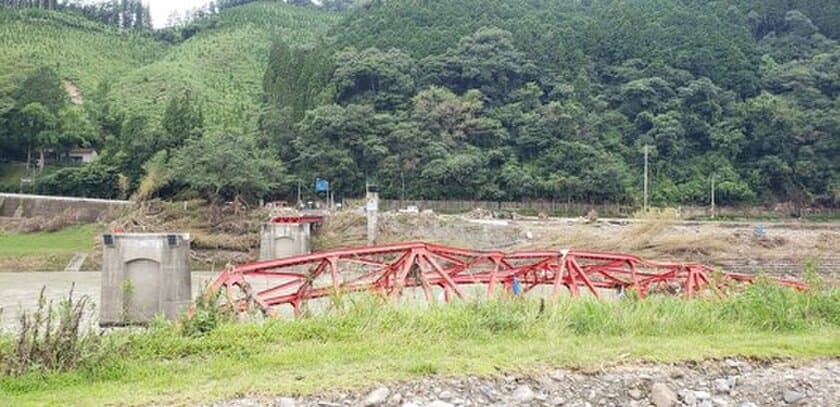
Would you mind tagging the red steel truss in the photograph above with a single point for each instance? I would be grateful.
(391, 269)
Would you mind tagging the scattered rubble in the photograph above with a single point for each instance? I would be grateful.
(730, 382)
(221, 236)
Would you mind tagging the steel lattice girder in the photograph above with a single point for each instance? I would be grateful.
(390, 269)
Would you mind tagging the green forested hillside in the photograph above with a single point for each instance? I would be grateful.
(224, 63)
(545, 99)
(126, 80)
(471, 99)
(82, 51)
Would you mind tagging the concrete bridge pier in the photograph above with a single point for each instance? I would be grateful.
(286, 236)
(144, 275)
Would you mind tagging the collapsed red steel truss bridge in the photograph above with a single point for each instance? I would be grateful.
(392, 269)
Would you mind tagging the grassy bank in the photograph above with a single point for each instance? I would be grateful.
(367, 342)
(10, 175)
(45, 250)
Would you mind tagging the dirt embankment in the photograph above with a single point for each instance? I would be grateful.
(744, 247)
(220, 235)
(757, 247)
(225, 235)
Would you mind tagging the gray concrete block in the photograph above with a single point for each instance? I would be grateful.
(279, 240)
(144, 275)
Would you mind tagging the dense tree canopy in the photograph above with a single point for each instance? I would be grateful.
(487, 99)
(226, 166)
(544, 99)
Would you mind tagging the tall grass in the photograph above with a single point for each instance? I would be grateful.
(51, 338)
(762, 308)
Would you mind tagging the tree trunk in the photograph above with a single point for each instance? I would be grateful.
(41, 163)
(216, 207)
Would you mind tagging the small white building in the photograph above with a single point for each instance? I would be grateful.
(82, 155)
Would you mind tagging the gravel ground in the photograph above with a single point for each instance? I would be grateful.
(730, 382)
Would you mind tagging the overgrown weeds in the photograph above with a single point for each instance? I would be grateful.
(762, 307)
(205, 315)
(373, 322)
(51, 338)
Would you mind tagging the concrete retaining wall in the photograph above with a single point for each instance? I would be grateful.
(84, 209)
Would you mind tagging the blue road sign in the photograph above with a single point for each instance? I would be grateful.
(321, 185)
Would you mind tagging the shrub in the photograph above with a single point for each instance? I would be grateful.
(51, 338)
(89, 181)
(205, 316)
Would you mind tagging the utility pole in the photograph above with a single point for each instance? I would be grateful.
(713, 195)
(371, 212)
(646, 179)
(402, 177)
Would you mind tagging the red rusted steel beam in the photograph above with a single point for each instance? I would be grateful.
(391, 269)
(297, 219)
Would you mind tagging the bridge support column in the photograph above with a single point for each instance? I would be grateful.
(144, 275)
(286, 236)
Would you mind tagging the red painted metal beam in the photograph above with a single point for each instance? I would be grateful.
(392, 269)
(297, 219)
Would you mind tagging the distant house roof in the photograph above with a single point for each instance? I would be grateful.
(82, 151)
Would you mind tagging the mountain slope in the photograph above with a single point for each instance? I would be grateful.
(82, 51)
(506, 99)
(223, 63)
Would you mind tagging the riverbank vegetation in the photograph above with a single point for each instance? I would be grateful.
(365, 340)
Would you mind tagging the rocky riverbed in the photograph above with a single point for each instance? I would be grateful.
(730, 382)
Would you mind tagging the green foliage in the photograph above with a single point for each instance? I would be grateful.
(223, 75)
(205, 316)
(127, 290)
(373, 322)
(79, 50)
(67, 241)
(183, 120)
(126, 14)
(226, 165)
(10, 177)
(768, 306)
(486, 60)
(294, 79)
(126, 80)
(37, 125)
(355, 135)
(96, 180)
(543, 99)
(157, 176)
(384, 79)
(76, 127)
(42, 86)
